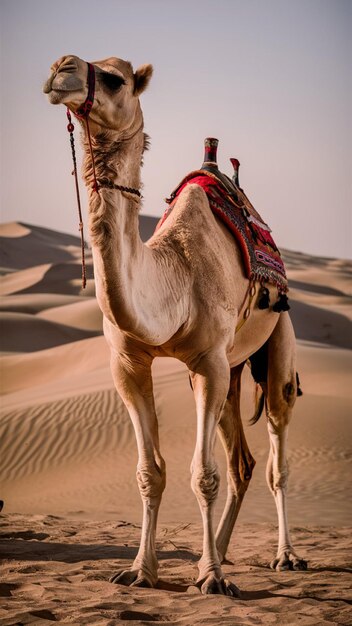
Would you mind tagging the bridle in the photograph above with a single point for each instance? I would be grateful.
(82, 113)
(85, 108)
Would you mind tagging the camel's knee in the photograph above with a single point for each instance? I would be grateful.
(289, 392)
(277, 479)
(280, 402)
(151, 480)
(279, 414)
(235, 485)
(205, 483)
(240, 472)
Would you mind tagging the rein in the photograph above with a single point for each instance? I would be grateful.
(82, 113)
(70, 128)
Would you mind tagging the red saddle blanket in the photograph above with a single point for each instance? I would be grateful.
(261, 257)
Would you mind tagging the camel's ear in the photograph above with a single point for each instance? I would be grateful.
(141, 78)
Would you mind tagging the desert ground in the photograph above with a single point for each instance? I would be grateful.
(72, 510)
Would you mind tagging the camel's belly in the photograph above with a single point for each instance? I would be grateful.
(249, 338)
(255, 331)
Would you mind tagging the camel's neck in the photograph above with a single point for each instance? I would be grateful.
(134, 282)
(113, 220)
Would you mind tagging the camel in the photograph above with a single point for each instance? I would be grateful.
(182, 295)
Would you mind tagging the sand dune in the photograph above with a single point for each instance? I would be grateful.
(32, 333)
(325, 275)
(36, 302)
(25, 371)
(21, 244)
(320, 298)
(14, 230)
(60, 278)
(19, 281)
(68, 449)
(321, 324)
(85, 315)
(35, 245)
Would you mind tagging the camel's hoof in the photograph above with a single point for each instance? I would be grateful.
(299, 564)
(221, 586)
(288, 561)
(131, 578)
(142, 581)
(281, 564)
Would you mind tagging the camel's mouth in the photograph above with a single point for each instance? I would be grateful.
(63, 96)
(65, 89)
(62, 81)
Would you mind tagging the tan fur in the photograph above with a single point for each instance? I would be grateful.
(180, 295)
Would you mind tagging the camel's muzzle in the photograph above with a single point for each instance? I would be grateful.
(64, 80)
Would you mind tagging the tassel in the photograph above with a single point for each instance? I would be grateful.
(281, 304)
(264, 299)
(299, 390)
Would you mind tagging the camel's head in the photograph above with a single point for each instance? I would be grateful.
(117, 88)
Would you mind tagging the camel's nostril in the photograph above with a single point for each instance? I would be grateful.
(67, 65)
(67, 68)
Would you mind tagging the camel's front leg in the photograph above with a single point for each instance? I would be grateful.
(134, 383)
(210, 380)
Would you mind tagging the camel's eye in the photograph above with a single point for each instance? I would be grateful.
(112, 81)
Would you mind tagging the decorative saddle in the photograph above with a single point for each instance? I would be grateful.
(261, 257)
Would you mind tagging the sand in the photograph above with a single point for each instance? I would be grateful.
(67, 460)
(56, 569)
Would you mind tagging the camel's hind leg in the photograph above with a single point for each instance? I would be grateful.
(240, 462)
(133, 381)
(280, 392)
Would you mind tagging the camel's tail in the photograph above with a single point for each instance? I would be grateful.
(258, 363)
(259, 406)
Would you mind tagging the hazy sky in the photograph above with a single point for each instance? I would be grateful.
(269, 78)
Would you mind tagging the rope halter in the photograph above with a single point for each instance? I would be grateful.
(82, 113)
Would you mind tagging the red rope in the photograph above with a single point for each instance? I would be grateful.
(83, 113)
(70, 128)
